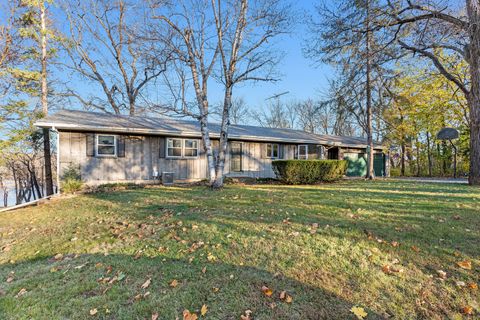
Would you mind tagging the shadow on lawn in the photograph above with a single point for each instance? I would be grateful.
(396, 218)
(69, 288)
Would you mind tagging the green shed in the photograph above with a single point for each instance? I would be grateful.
(357, 164)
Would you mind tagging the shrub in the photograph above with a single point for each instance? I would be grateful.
(71, 179)
(309, 171)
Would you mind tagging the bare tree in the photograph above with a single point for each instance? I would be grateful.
(239, 111)
(314, 116)
(424, 27)
(234, 46)
(343, 35)
(107, 47)
(277, 115)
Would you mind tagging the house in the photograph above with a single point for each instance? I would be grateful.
(115, 148)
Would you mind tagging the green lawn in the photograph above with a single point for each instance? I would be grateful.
(375, 245)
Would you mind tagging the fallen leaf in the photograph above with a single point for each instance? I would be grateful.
(395, 244)
(146, 283)
(204, 310)
(386, 269)
(93, 311)
(246, 315)
(473, 285)
(204, 269)
(211, 257)
(460, 284)
(359, 312)
(174, 283)
(154, 316)
(466, 264)
(467, 310)
(187, 315)
(267, 291)
(415, 248)
(10, 278)
(215, 289)
(285, 297)
(442, 274)
(21, 292)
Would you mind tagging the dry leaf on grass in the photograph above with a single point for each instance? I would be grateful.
(473, 285)
(267, 291)
(467, 310)
(93, 311)
(187, 315)
(442, 274)
(466, 264)
(154, 316)
(359, 312)
(204, 310)
(284, 296)
(246, 315)
(146, 284)
(21, 292)
(415, 248)
(174, 283)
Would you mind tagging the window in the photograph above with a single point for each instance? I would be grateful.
(191, 148)
(106, 145)
(174, 148)
(302, 152)
(272, 150)
(178, 148)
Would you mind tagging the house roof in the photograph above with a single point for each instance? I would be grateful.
(75, 120)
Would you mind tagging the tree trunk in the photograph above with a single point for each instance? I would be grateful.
(208, 149)
(227, 102)
(473, 12)
(44, 85)
(417, 146)
(429, 155)
(402, 160)
(370, 172)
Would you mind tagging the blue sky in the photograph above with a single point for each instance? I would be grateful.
(300, 76)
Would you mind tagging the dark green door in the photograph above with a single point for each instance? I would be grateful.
(357, 164)
(379, 165)
(235, 157)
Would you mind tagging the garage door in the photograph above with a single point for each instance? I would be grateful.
(357, 164)
(379, 165)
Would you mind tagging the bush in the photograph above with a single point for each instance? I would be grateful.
(72, 185)
(71, 179)
(309, 171)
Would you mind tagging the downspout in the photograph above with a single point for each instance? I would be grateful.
(58, 158)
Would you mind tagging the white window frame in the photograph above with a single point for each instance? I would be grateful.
(182, 155)
(181, 148)
(304, 156)
(97, 144)
(185, 148)
(271, 150)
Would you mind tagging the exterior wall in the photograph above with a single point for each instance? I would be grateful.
(143, 160)
(139, 163)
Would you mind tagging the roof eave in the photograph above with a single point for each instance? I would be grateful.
(68, 126)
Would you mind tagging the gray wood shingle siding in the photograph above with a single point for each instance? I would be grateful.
(140, 157)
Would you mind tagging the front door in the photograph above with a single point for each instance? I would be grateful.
(235, 157)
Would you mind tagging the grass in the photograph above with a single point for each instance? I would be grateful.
(328, 246)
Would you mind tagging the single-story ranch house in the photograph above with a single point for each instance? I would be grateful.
(115, 148)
